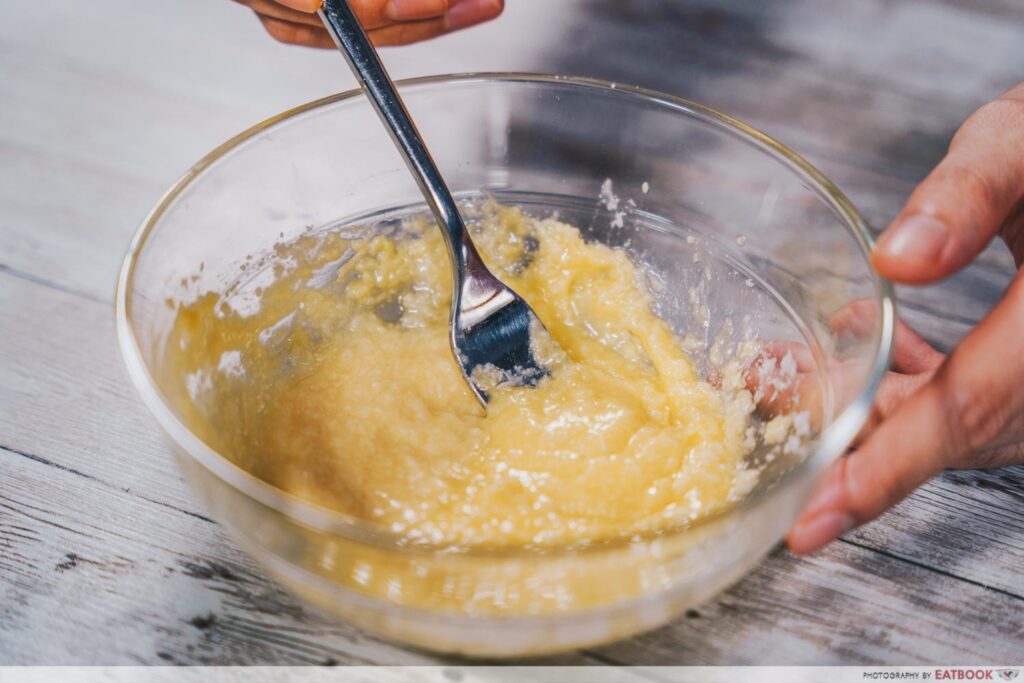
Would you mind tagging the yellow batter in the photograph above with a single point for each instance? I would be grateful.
(341, 389)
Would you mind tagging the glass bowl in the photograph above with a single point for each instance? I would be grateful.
(742, 239)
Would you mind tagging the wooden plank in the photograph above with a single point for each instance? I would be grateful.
(1010, 10)
(845, 605)
(83, 585)
(960, 518)
(103, 134)
(105, 195)
(864, 87)
(47, 403)
(65, 395)
(96, 125)
(90, 138)
(54, 415)
(173, 590)
(94, 574)
(776, 66)
(859, 76)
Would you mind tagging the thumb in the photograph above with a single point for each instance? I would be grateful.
(967, 406)
(301, 5)
(963, 203)
(900, 455)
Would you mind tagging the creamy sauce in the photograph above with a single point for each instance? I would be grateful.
(340, 387)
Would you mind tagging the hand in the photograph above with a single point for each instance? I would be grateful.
(388, 22)
(935, 412)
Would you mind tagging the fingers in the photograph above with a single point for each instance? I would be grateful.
(408, 32)
(276, 10)
(964, 202)
(461, 14)
(901, 454)
(415, 10)
(296, 34)
(307, 6)
(784, 378)
(893, 392)
(911, 353)
(387, 22)
(466, 13)
(375, 14)
(913, 359)
(780, 385)
(971, 404)
(372, 13)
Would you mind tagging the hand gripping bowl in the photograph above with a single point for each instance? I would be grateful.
(736, 231)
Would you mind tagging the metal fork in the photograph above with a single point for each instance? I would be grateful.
(490, 325)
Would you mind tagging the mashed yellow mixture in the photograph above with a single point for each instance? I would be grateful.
(340, 388)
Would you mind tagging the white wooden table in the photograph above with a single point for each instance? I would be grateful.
(104, 556)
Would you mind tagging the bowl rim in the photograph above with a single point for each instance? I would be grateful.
(833, 440)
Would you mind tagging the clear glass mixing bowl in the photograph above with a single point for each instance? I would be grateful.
(737, 232)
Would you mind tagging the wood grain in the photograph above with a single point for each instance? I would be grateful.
(104, 556)
(173, 589)
(85, 562)
(96, 125)
(845, 605)
(870, 91)
(130, 491)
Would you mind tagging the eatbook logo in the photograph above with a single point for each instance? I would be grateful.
(964, 674)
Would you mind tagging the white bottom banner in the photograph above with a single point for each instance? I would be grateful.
(506, 674)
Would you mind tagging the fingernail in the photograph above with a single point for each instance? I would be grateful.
(918, 238)
(411, 10)
(819, 530)
(469, 12)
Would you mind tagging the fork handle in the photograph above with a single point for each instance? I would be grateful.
(352, 41)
